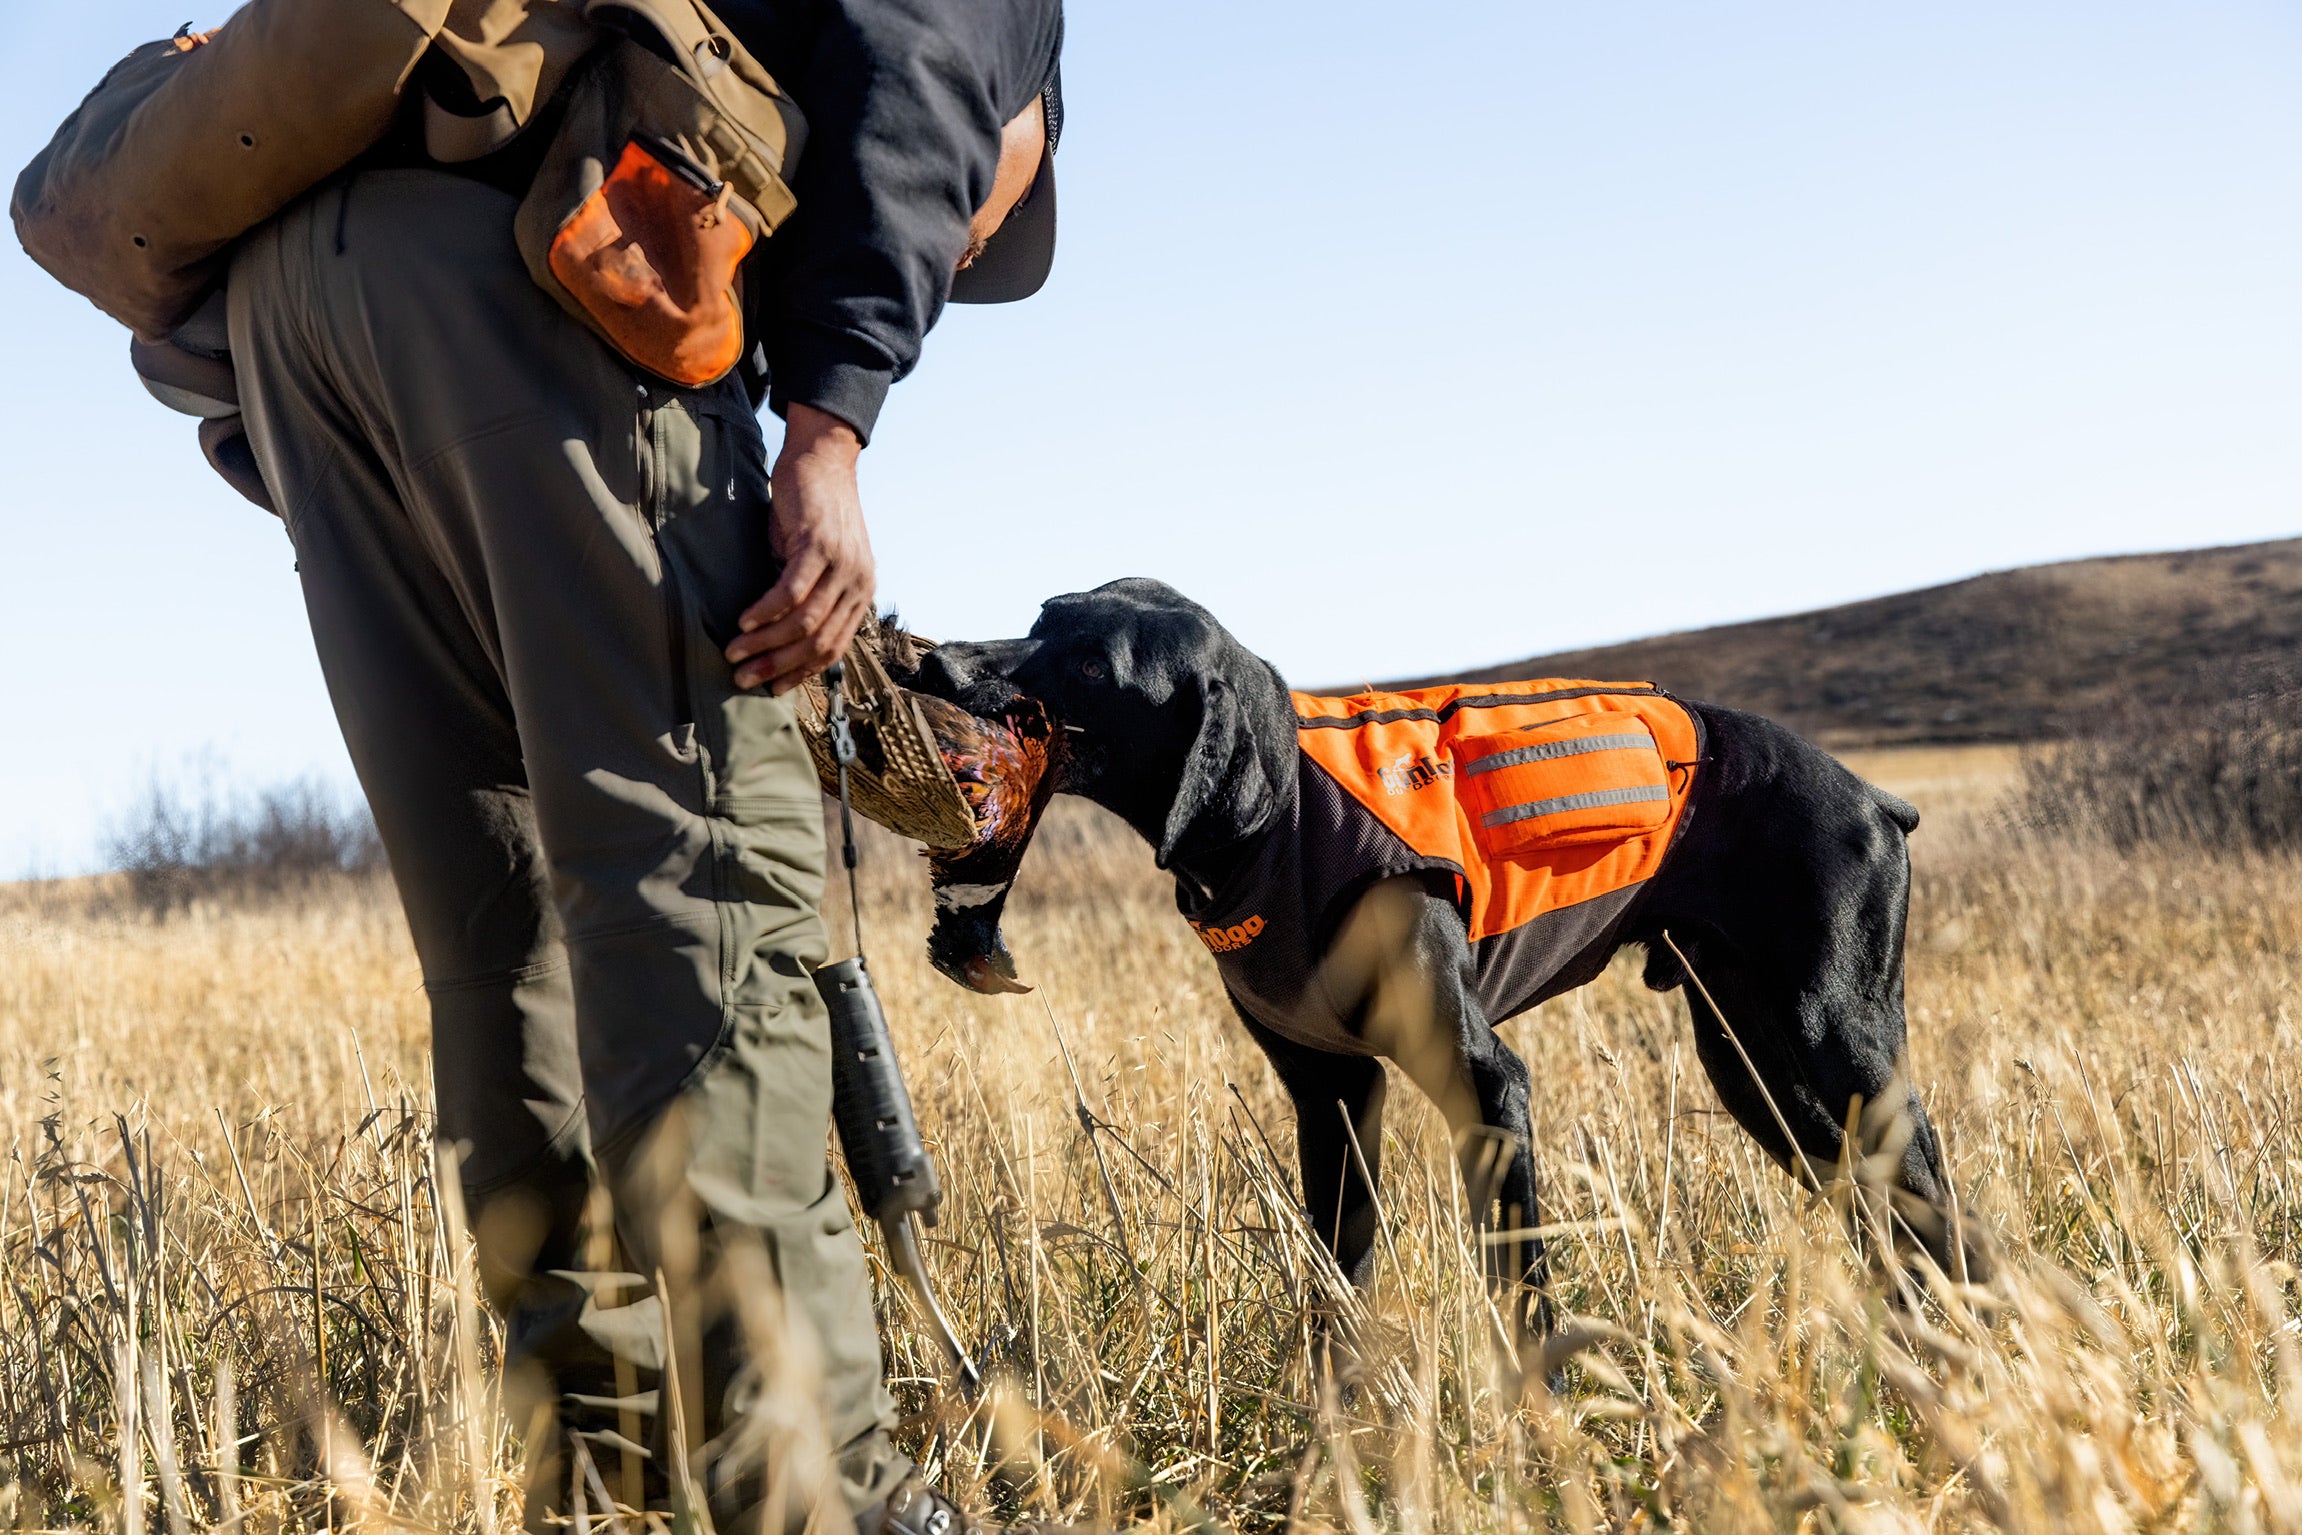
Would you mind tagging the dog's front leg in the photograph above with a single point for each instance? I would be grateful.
(1498, 1166)
(1338, 1099)
(1404, 955)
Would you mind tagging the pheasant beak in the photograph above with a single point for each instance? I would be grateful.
(992, 975)
(967, 946)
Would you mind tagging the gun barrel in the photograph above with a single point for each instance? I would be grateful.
(902, 1235)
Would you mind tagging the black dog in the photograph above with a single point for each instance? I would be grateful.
(1785, 891)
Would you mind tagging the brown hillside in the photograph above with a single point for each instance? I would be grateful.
(2014, 655)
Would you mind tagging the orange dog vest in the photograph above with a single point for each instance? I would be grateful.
(1549, 803)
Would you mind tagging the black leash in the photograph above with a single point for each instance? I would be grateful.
(843, 752)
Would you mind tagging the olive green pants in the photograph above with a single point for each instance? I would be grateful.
(521, 560)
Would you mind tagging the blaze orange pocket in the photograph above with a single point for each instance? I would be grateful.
(1586, 779)
(652, 257)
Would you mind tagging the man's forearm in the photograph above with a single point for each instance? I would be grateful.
(827, 586)
(820, 436)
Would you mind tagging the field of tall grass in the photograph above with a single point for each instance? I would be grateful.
(231, 1292)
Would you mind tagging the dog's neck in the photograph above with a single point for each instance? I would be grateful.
(1265, 770)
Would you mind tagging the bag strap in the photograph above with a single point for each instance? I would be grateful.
(505, 59)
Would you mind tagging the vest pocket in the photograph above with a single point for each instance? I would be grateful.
(1590, 779)
(668, 166)
(651, 258)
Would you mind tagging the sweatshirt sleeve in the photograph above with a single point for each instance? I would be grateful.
(904, 102)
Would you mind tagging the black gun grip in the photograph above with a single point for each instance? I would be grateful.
(877, 1130)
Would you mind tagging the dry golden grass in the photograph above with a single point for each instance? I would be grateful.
(215, 1150)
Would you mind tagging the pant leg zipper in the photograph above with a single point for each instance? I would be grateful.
(675, 601)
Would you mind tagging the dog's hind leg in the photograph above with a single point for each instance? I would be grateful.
(1781, 1059)
(1787, 899)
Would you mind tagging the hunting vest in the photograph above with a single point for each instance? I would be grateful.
(1548, 805)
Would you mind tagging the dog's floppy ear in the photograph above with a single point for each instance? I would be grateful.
(1223, 792)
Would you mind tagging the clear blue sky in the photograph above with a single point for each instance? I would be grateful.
(1403, 337)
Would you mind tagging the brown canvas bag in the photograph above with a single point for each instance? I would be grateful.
(189, 143)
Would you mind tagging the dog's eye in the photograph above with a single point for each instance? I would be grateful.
(1093, 670)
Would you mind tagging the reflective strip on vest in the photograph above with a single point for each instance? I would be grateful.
(1549, 751)
(1645, 794)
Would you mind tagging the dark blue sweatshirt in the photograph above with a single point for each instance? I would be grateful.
(904, 102)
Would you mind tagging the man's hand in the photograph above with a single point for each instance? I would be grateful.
(816, 528)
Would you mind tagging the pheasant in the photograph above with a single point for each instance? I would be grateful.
(975, 808)
(1006, 771)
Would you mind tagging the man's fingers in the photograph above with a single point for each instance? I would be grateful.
(811, 614)
(812, 654)
(793, 615)
(791, 588)
(788, 666)
(807, 653)
(799, 578)
(760, 651)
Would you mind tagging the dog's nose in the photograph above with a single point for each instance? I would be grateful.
(958, 668)
(946, 672)
(976, 676)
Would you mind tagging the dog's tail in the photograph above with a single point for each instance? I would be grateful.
(1898, 810)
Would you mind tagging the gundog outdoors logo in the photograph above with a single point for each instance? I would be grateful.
(1410, 773)
(1229, 940)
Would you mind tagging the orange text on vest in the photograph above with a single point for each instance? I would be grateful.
(1226, 940)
